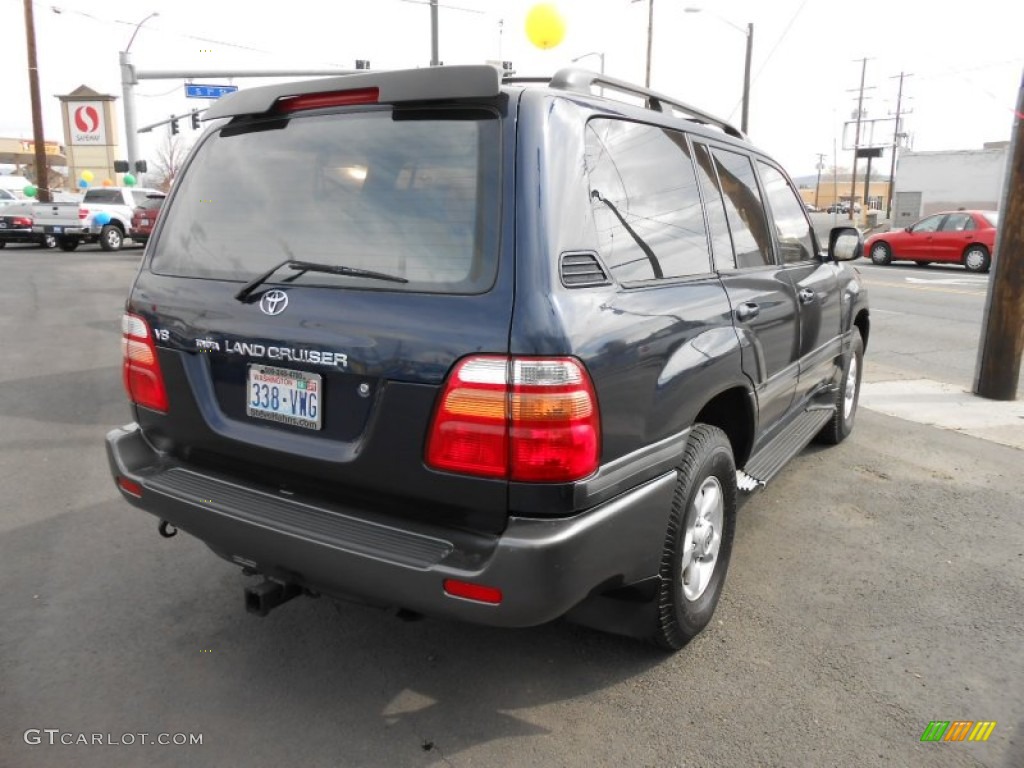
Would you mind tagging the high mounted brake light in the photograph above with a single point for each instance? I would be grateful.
(524, 419)
(332, 99)
(142, 378)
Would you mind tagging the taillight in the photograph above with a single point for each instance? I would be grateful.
(141, 369)
(470, 591)
(525, 419)
(331, 99)
(83, 213)
(21, 221)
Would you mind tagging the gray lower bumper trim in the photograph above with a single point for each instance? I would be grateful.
(296, 518)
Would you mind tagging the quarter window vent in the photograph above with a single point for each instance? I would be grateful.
(580, 270)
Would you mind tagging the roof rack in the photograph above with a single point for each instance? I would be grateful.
(582, 80)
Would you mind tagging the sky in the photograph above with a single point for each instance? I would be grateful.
(965, 60)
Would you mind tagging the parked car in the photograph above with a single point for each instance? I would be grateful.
(81, 222)
(812, 208)
(950, 237)
(16, 227)
(8, 198)
(482, 349)
(145, 216)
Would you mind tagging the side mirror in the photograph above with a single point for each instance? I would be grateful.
(845, 244)
(907, 229)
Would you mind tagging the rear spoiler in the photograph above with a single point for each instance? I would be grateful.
(477, 81)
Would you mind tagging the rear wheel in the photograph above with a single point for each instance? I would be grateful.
(881, 254)
(976, 259)
(847, 397)
(68, 243)
(698, 542)
(111, 238)
(3, 243)
(922, 263)
(48, 241)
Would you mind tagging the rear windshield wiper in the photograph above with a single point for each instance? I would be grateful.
(308, 266)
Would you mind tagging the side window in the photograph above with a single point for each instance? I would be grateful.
(139, 197)
(958, 222)
(931, 224)
(721, 242)
(792, 229)
(750, 234)
(643, 192)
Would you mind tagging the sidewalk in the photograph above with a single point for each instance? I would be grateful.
(947, 406)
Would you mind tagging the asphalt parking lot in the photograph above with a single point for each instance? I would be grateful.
(874, 587)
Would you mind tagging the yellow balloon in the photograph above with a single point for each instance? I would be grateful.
(545, 26)
(87, 175)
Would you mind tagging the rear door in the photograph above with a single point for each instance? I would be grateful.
(326, 383)
(814, 280)
(762, 296)
(955, 233)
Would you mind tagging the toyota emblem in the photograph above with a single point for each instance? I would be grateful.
(274, 302)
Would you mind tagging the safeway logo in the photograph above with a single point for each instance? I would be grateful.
(87, 119)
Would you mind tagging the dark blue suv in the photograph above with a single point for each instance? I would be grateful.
(502, 351)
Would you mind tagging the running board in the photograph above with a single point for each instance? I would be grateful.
(767, 462)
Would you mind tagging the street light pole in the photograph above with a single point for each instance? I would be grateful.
(128, 83)
(747, 32)
(746, 78)
(592, 53)
(650, 40)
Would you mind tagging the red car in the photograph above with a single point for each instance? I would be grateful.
(144, 217)
(951, 237)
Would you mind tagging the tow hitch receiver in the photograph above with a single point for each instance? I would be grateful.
(262, 598)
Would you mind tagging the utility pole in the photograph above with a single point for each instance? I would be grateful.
(895, 143)
(42, 169)
(856, 140)
(817, 185)
(999, 354)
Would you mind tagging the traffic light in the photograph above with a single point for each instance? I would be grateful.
(195, 119)
(362, 63)
(121, 166)
(140, 166)
(174, 126)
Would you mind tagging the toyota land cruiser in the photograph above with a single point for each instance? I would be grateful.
(498, 350)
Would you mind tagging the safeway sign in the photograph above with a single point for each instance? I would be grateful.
(86, 122)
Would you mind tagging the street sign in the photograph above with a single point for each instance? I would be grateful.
(199, 91)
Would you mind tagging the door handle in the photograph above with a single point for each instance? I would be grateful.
(807, 296)
(747, 311)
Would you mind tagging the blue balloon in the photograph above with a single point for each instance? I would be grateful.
(101, 219)
(82, 183)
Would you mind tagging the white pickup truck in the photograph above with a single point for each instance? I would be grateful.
(75, 223)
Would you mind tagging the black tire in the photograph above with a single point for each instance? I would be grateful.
(48, 241)
(3, 243)
(841, 424)
(68, 243)
(684, 606)
(881, 254)
(977, 258)
(922, 263)
(111, 238)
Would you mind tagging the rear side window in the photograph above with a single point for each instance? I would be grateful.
(643, 192)
(750, 234)
(103, 196)
(152, 202)
(411, 193)
(958, 222)
(789, 214)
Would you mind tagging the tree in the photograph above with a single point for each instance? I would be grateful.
(170, 156)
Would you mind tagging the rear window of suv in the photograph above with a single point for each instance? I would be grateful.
(412, 193)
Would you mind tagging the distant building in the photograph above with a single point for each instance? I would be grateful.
(927, 182)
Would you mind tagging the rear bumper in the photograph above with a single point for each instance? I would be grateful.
(543, 567)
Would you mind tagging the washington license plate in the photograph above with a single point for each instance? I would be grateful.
(285, 396)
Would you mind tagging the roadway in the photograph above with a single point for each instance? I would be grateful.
(874, 587)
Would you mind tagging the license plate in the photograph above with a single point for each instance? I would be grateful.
(54, 230)
(285, 396)
(3, 225)
(143, 222)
